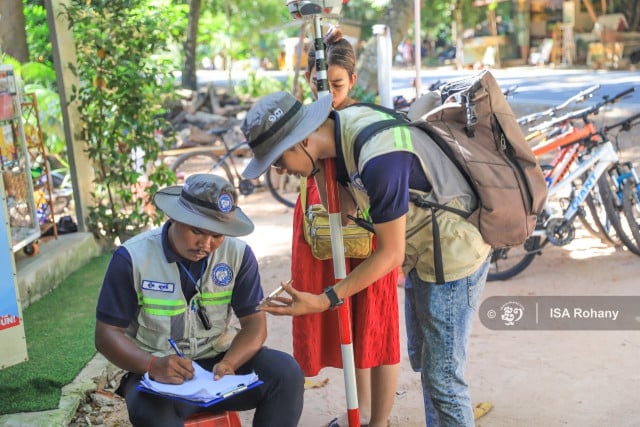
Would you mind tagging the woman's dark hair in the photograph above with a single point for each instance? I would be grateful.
(338, 52)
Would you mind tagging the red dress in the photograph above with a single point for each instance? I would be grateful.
(374, 310)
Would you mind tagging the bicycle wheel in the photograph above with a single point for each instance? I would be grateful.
(595, 221)
(613, 202)
(284, 188)
(631, 209)
(508, 262)
(202, 161)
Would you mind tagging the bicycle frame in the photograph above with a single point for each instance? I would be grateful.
(571, 136)
(568, 142)
(600, 159)
(229, 155)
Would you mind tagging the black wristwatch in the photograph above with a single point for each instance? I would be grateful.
(334, 301)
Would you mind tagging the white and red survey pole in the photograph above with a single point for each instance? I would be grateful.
(315, 10)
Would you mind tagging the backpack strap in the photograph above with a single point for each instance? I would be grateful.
(370, 131)
(446, 149)
(435, 230)
(341, 167)
(397, 119)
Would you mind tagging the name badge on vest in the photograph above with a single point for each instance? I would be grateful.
(151, 285)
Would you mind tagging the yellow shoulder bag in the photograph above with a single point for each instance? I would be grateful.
(357, 241)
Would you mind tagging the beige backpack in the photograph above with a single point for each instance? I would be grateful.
(476, 128)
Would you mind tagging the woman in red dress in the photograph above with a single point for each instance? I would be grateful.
(374, 310)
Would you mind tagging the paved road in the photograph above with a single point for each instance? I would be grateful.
(539, 85)
(536, 85)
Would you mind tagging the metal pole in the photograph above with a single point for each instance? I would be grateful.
(337, 245)
(307, 9)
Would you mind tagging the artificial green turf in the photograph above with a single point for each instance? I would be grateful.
(59, 332)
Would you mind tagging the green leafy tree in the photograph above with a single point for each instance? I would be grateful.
(119, 101)
(37, 31)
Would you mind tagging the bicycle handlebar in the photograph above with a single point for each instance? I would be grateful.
(625, 124)
(510, 90)
(584, 113)
(577, 98)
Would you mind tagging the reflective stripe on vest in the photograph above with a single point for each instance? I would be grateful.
(163, 307)
(218, 298)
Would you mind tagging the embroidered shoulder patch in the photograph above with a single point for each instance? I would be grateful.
(221, 274)
(357, 182)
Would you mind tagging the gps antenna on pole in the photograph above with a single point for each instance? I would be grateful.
(315, 10)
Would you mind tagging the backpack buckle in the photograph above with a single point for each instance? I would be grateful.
(472, 120)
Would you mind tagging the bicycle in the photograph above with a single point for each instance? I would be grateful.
(622, 194)
(590, 217)
(594, 218)
(604, 221)
(598, 163)
(223, 158)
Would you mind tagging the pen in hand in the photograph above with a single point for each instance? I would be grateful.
(273, 295)
(175, 348)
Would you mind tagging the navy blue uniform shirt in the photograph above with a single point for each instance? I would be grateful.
(387, 179)
(118, 302)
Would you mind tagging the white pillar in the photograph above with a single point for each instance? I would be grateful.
(385, 57)
(417, 51)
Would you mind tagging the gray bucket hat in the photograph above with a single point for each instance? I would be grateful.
(205, 201)
(276, 123)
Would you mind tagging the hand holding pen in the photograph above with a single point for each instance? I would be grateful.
(173, 370)
(274, 295)
(173, 345)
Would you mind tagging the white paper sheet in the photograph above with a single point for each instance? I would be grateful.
(202, 387)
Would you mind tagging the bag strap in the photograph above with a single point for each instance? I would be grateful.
(397, 119)
(303, 193)
(341, 169)
(437, 249)
(370, 131)
(446, 149)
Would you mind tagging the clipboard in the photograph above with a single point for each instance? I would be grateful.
(200, 403)
(202, 390)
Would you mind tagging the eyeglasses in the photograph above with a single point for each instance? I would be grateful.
(278, 163)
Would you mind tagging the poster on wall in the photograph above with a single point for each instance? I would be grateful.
(9, 313)
(14, 343)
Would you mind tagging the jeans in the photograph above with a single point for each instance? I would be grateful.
(438, 321)
(278, 402)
